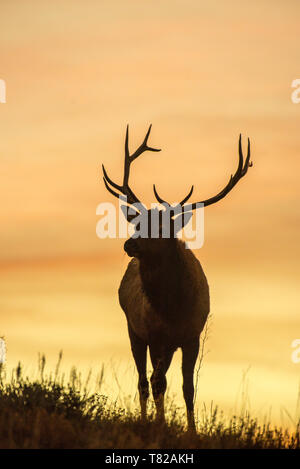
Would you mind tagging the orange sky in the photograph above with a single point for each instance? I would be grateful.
(202, 72)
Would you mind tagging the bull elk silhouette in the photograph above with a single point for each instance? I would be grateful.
(164, 292)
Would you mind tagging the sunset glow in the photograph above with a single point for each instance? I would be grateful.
(202, 72)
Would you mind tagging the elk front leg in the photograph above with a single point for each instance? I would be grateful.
(139, 352)
(161, 360)
(189, 357)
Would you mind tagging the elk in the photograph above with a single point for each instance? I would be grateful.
(164, 292)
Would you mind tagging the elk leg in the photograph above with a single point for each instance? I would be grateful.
(160, 361)
(139, 352)
(189, 357)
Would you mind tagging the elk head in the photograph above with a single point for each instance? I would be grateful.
(160, 226)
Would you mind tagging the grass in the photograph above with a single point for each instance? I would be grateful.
(47, 412)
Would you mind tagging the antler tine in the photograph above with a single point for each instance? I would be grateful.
(187, 197)
(107, 178)
(131, 197)
(127, 158)
(143, 147)
(161, 201)
(248, 163)
(122, 197)
(158, 198)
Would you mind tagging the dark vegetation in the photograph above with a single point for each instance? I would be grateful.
(46, 412)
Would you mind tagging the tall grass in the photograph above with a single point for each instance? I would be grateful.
(52, 411)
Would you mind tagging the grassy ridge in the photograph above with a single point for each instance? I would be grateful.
(48, 413)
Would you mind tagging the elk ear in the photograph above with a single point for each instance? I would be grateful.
(182, 220)
(130, 213)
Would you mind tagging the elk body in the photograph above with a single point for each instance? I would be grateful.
(164, 292)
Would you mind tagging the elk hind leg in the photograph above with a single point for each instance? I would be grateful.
(139, 352)
(189, 357)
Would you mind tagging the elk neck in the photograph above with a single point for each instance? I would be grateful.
(167, 280)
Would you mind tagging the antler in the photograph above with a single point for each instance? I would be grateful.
(161, 201)
(240, 172)
(125, 189)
